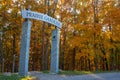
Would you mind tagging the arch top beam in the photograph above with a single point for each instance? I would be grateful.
(40, 16)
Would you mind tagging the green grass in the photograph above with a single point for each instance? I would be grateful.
(74, 72)
(79, 72)
(46, 72)
(70, 72)
(15, 77)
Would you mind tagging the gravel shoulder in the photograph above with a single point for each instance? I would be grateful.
(100, 76)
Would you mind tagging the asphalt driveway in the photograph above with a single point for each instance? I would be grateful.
(100, 76)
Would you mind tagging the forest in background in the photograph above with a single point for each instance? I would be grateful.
(89, 40)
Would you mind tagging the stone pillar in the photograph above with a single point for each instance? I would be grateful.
(24, 50)
(54, 65)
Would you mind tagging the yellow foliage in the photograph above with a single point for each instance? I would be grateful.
(28, 78)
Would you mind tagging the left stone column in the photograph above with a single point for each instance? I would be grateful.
(24, 49)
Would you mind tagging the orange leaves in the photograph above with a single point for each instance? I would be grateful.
(76, 41)
(115, 16)
(109, 34)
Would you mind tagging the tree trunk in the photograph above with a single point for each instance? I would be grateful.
(73, 59)
(94, 35)
(112, 60)
(47, 39)
(1, 52)
(43, 36)
(63, 51)
(13, 51)
(46, 59)
(89, 65)
(104, 58)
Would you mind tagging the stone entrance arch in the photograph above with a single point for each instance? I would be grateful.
(25, 41)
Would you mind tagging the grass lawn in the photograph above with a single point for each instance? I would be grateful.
(15, 77)
(83, 72)
(80, 72)
(74, 72)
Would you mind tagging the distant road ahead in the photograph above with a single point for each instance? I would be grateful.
(100, 76)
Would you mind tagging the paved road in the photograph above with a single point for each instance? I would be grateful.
(101, 76)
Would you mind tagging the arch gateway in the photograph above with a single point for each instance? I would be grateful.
(25, 41)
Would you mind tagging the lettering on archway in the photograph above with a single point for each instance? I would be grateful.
(42, 17)
(25, 41)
